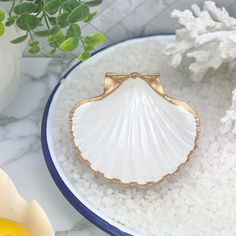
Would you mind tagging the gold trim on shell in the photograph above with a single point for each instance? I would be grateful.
(112, 82)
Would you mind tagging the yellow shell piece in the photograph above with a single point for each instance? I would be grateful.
(12, 228)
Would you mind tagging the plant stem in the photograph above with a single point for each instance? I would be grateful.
(82, 40)
(12, 7)
(60, 10)
(31, 36)
(46, 20)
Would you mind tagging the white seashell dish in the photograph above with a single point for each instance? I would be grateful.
(134, 134)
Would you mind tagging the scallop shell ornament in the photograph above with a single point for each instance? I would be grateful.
(134, 134)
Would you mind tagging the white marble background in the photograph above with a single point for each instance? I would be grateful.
(20, 151)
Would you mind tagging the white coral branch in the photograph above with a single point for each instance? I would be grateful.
(229, 120)
(208, 38)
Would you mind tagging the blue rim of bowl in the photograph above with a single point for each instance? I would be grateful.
(71, 198)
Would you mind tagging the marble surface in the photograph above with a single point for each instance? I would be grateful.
(20, 148)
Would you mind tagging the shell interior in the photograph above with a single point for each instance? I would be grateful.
(134, 133)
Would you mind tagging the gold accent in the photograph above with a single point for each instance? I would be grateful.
(112, 82)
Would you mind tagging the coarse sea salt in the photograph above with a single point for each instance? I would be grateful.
(200, 198)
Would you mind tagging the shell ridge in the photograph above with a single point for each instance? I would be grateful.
(149, 124)
(152, 124)
(173, 119)
(171, 131)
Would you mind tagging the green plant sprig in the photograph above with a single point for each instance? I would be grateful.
(57, 21)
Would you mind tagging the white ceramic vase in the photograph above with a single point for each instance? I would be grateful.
(10, 65)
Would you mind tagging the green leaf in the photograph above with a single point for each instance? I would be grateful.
(25, 8)
(93, 3)
(62, 19)
(62, 1)
(73, 31)
(43, 33)
(19, 39)
(90, 17)
(55, 29)
(70, 5)
(59, 37)
(12, 18)
(94, 39)
(56, 39)
(52, 44)
(69, 44)
(2, 15)
(84, 56)
(88, 47)
(9, 23)
(34, 43)
(52, 52)
(52, 6)
(27, 22)
(2, 29)
(34, 50)
(78, 14)
(52, 20)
